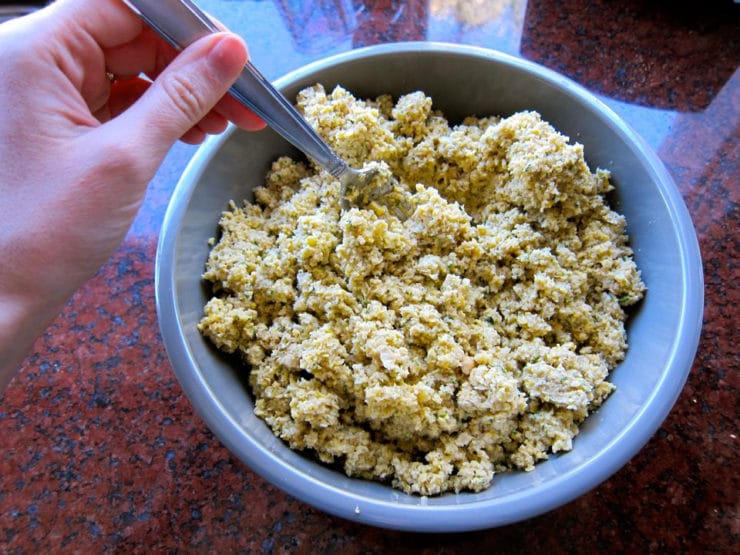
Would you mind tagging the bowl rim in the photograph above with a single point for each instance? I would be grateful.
(423, 517)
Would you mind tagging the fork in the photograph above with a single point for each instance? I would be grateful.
(182, 22)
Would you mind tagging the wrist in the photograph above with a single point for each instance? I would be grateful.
(22, 319)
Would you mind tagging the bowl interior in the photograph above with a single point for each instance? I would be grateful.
(662, 331)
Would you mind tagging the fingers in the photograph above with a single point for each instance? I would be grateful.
(150, 55)
(235, 111)
(125, 92)
(185, 92)
(129, 49)
(108, 22)
(147, 54)
(193, 136)
(121, 96)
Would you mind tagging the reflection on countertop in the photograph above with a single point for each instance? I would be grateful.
(101, 450)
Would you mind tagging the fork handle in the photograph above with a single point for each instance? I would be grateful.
(181, 22)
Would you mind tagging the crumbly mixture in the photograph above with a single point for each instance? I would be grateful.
(432, 352)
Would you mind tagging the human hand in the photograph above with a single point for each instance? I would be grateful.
(77, 151)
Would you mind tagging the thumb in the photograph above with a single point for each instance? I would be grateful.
(185, 91)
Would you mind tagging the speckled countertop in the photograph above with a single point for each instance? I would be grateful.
(101, 451)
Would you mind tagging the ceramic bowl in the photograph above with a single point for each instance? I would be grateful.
(663, 330)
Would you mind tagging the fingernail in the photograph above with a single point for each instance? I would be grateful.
(228, 55)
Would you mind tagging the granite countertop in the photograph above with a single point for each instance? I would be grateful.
(101, 451)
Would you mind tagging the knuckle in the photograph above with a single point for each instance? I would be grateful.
(185, 97)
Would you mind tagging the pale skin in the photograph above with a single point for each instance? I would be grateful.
(77, 151)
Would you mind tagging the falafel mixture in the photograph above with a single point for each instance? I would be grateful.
(472, 337)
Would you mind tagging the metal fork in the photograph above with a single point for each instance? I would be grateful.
(181, 22)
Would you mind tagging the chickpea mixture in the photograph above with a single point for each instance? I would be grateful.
(429, 352)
